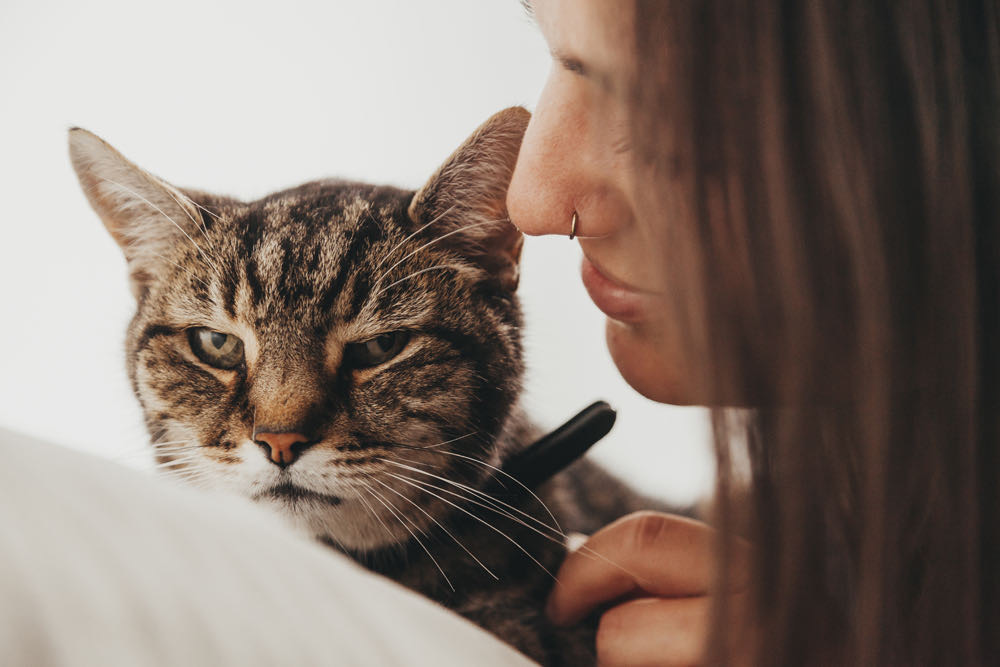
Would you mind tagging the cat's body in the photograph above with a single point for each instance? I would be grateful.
(349, 355)
(517, 543)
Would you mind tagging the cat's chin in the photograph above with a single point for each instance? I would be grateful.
(295, 495)
(343, 522)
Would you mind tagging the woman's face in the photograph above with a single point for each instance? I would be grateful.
(576, 157)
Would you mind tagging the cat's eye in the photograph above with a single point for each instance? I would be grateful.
(377, 350)
(217, 349)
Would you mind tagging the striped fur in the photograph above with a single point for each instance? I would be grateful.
(403, 451)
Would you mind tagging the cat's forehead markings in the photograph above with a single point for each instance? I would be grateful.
(251, 345)
(277, 205)
(242, 301)
(215, 294)
(356, 209)
(386, 212)
(415, 310)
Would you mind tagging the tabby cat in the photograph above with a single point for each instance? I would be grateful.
(349, 355)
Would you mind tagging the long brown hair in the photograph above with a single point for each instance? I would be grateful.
(824, 178)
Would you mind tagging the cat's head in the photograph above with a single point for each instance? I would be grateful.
(327, 349)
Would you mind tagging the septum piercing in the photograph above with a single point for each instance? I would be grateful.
(572, 227)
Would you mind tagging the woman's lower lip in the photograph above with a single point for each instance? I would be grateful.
(616, 301)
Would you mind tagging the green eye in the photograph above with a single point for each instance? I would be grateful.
(216, 349)
(377, 350)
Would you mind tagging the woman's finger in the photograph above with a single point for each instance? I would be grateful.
(648, 553)
(659, 554)
(651, 631)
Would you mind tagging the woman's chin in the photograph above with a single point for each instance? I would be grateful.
(647, 363)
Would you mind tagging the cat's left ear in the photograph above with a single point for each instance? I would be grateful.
(466, 197)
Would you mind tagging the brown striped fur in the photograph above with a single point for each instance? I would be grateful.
(400, 453)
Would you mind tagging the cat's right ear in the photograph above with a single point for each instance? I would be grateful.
(466, 198)
(145, 215)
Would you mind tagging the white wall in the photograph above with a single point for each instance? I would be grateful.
(245, 98)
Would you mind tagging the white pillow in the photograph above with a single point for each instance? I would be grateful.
(101, 565)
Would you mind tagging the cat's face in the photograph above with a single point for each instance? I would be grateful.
(330, 349)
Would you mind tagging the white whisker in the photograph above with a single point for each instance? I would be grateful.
(143, 450)
(176, 447)
(477, 492)
(392, 510)
(477, 518)
(200, 224)
(563, 537)
(214, 215)
(371, 509)
(447, 532)
(432, 242)
(400, 244)
(176, 463)
(448, 442)
(180, 445)
(511, 477)
(172, 221)
(440, 267)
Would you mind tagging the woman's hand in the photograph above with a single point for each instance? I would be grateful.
(654, 570)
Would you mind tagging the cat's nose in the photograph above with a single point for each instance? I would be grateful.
(282, 448)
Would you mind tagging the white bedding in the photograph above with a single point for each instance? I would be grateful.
(101, 565)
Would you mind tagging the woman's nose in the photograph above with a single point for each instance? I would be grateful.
(567, 167)
(540, 199)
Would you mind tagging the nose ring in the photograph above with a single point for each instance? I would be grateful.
(572, 227)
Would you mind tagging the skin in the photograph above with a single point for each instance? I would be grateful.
(576, 157)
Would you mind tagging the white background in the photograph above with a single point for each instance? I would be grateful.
(244, 98)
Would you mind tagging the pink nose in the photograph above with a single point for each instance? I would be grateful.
(283, 448)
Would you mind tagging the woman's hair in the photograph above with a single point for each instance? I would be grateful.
(824, 178)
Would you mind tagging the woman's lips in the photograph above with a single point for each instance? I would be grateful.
(617, 301)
